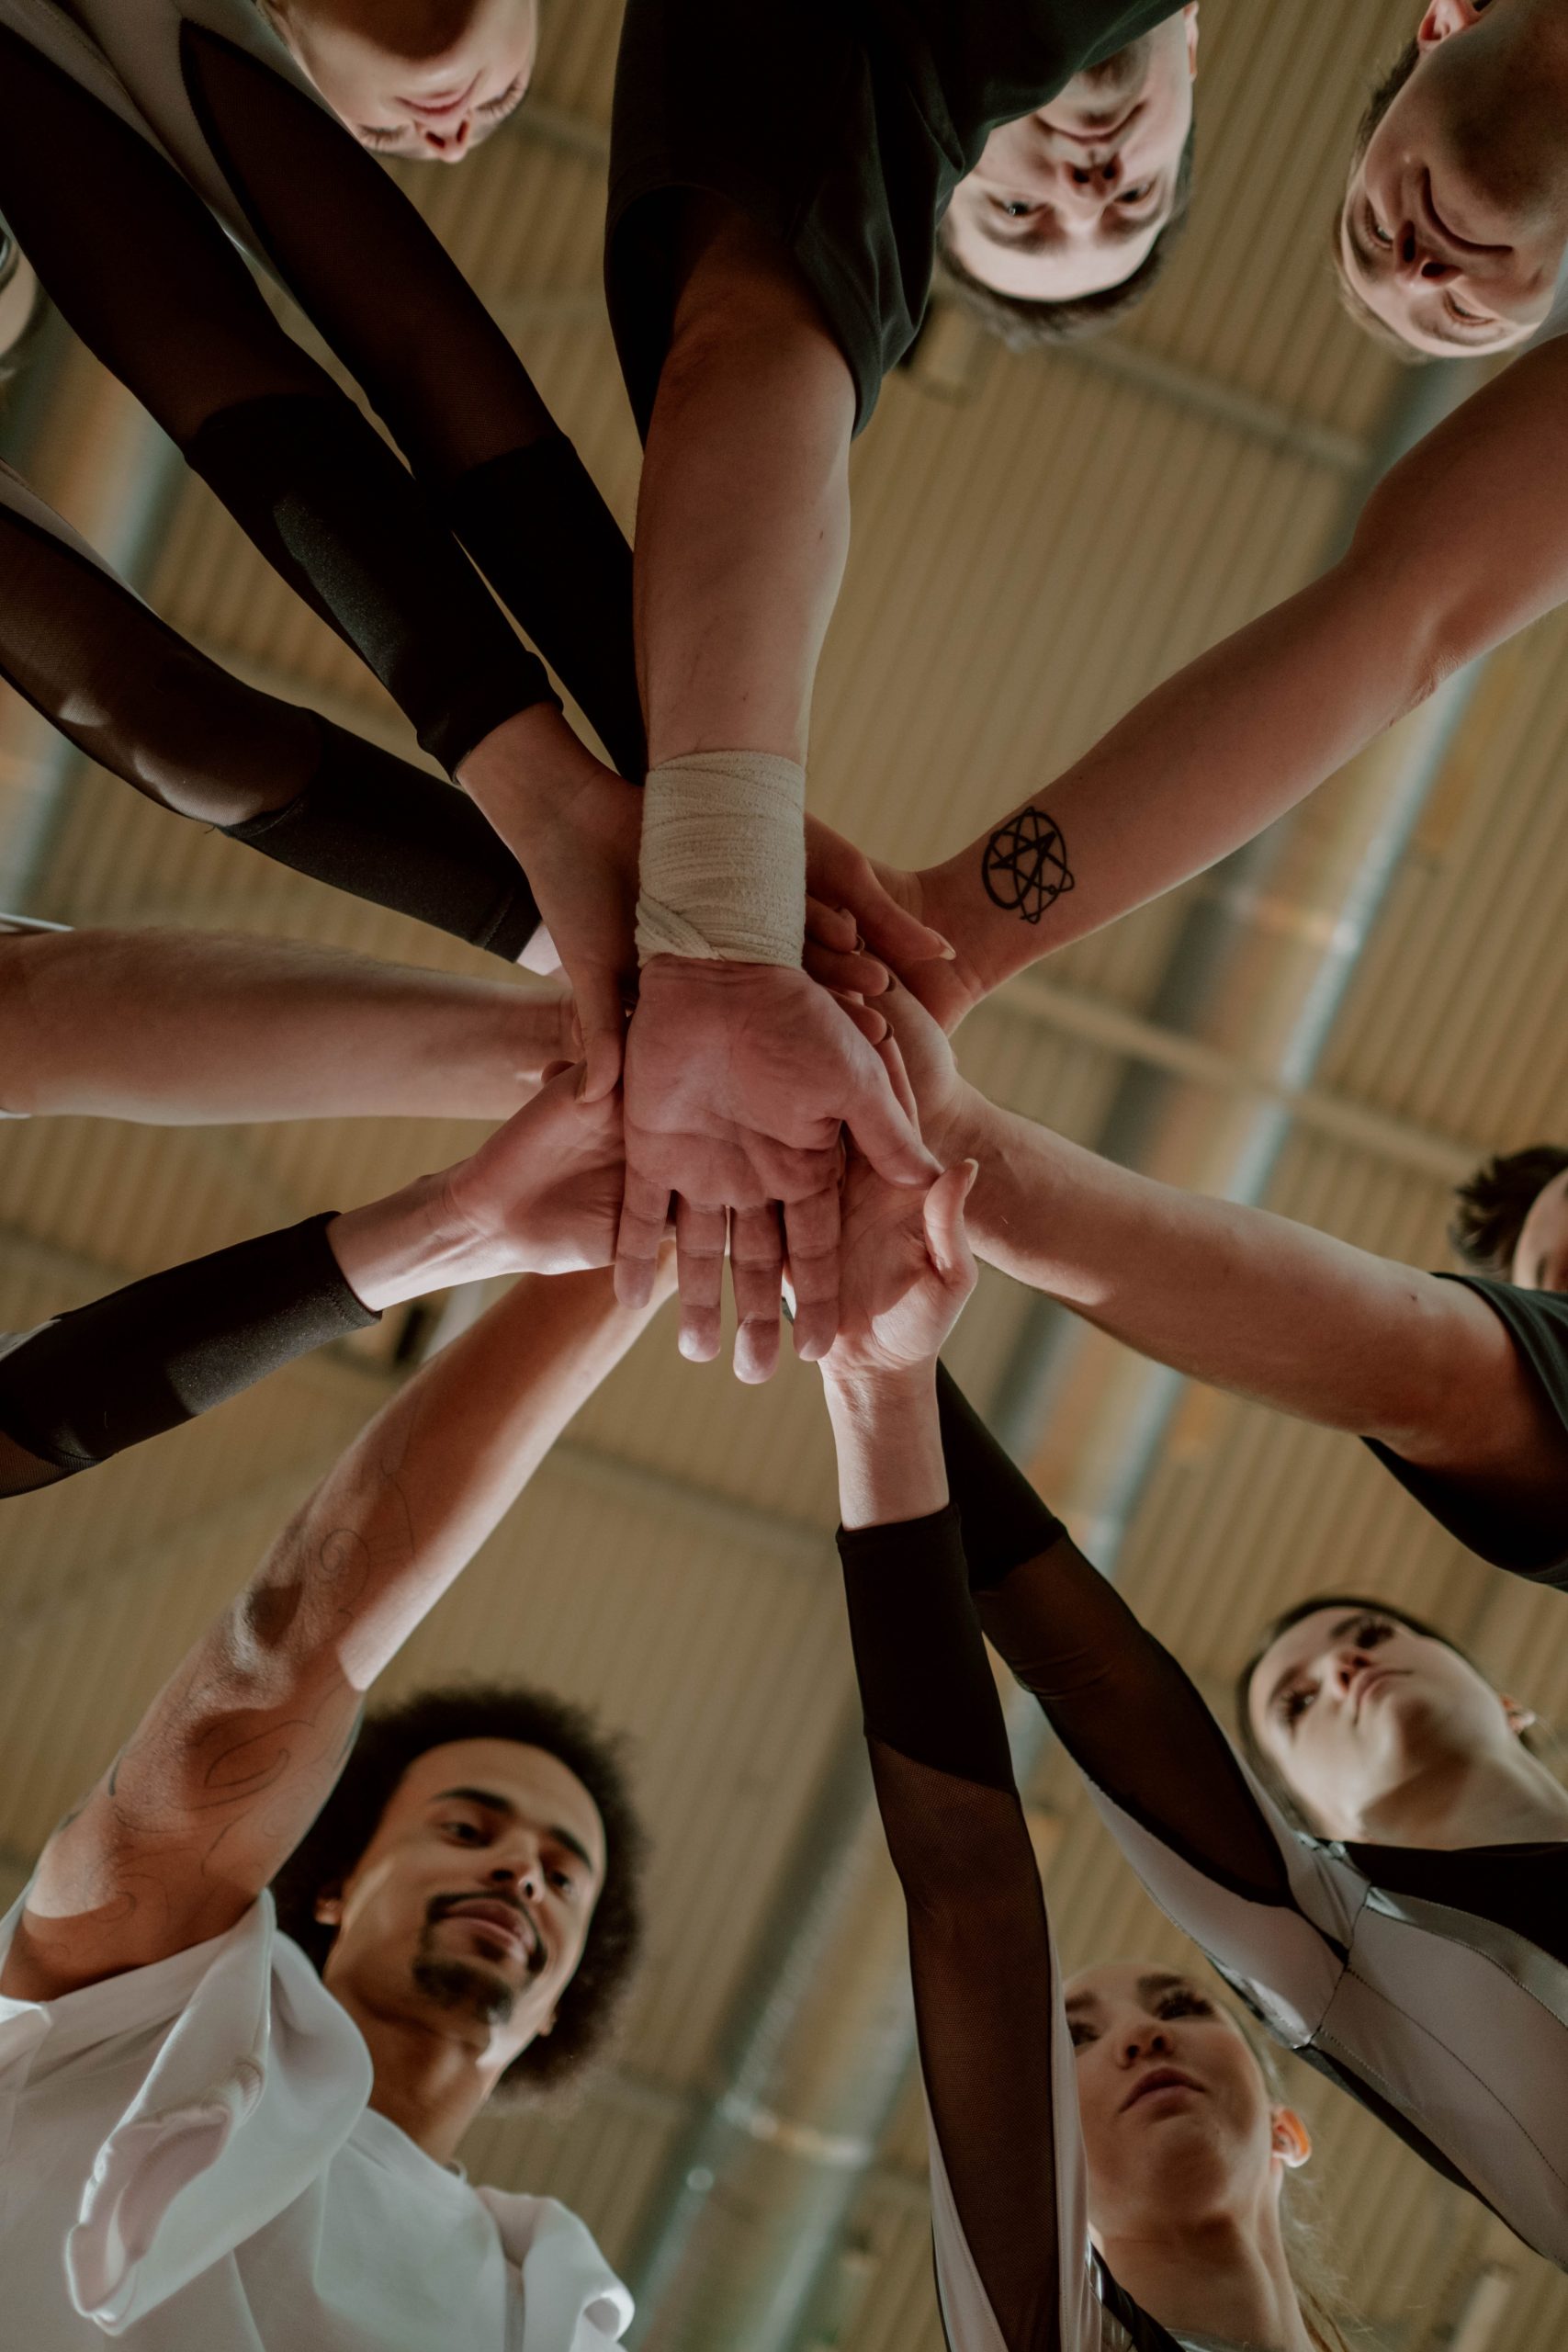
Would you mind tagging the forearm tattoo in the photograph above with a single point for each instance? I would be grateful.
(1024, 865)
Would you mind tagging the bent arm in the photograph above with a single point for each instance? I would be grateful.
(1263, 1307)
(1462, 544)
(187, 1028)
(240, 1749)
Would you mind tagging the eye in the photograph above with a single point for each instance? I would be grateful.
(1014, 207)
(507, 100)
(1182, 2001)
(1293, 1704)
(380, 140)
(1136, 195)
(1467, 318)
(1378, 234)
(465, 1829)
(1371, 1631)
(1080, 2032)
(565, 1882)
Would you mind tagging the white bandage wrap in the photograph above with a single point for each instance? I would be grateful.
(724, 859)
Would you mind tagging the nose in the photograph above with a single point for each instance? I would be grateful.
(1416, 261)
(523, 1872)
(1146, 2040)
(1084, 187)
(446, 142)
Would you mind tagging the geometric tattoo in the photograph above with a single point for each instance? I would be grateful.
(1024, 865)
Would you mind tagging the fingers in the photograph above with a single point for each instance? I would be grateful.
(699, 1253)
(837, 970)
(831, 926)
(645, 1212)
(756, 1271)
(811, 1228)
(892, 1061)
(866, 1018)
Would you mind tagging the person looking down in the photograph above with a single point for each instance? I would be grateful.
(218, 2134)
(428, 80)
(1109, 2161)
(1454, 223)
(778, 177)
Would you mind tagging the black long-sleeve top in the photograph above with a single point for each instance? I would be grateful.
(1015, 2268)
(177, 119)
(1431, 1985)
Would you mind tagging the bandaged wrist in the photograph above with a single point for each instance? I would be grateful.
(724, 859)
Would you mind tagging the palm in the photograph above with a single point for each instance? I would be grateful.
(583, 872)
(544, 1193)
(896, 1305)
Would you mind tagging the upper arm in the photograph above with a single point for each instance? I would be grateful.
(197, 1812)
(1484, 1417)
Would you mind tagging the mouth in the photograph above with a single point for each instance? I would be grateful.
(1108, 136)
(1437, 225)
(511, 1928)
(437, 109)
(1371, 1680)
(1159, 2078)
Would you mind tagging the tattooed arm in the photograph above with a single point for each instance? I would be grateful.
(238, 1752)
(1463, 543)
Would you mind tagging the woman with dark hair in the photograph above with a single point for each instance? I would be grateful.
(215, 2140)
(1109, 2159)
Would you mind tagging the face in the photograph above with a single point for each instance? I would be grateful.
(428, 79)
(1177, 2121)
(1070, 199)
(1354, 1708)
(470, 1906)
(1456, 218)
(1540, 1255)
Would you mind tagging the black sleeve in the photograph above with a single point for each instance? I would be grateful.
(144, 273)
(1526, 1534)
(134, 695)
(161, 1351)
(980, 1945)
(437, 369)
(1119, 1702)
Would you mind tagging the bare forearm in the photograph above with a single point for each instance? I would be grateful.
(430, 1478)
(888, 1442)
(1463, 543)
(1229, 1294)
(187, 1028)
(744, 515)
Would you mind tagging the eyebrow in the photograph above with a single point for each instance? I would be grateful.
(1148, 1988)
(493, 1802)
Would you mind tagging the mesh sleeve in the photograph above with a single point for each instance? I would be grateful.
(134, 695)
(161, 1351)
(1007, 2175)
(1121, 1705)
(140, 269)
(436, 368)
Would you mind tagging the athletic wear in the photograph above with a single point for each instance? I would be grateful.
(1015, 2268)
(163, 1349)
(1415, 1980)
(843, 127)
(141, 700)
(172, 116)
(188, 2155)
(1528, 1540)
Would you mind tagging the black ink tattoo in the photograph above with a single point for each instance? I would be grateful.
(1024, 865)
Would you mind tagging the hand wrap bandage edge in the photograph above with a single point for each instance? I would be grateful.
(724, 859)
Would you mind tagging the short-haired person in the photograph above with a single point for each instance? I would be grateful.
(1454, 224)
(1110, 2162)
(778, 177)
(210, 2143)
(1287, 1317)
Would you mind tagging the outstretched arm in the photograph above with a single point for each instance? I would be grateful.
(240, 1749)
(1238, 1297)
(183, 1028)
(1462, 544)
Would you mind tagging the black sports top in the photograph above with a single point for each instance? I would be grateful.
(177, 119)
(840, 126)
(1016, 2271)
(1432, 1986)
(1488, 1520)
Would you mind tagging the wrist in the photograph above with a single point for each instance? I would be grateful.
(888, 1440)
(399, 1247)
(525, 768)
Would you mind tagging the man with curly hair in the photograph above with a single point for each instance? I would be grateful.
(232, 2118)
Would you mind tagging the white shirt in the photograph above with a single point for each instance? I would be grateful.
(188, 2161)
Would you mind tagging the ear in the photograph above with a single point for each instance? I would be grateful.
(1189, 26)
(1290, 2139)
(1445, 17)
(327, 1911)
(548, 2027)
(1519, 1717)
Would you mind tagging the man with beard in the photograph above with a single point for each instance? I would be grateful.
(778, 180)
(208, 2144)
(1455, 221)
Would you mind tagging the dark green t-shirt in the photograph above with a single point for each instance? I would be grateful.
(841, 126)
(1527, 1537)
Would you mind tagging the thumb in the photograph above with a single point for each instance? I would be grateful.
(604, 1028)
(892, 930)
(884, 1135)
(947, 1238)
